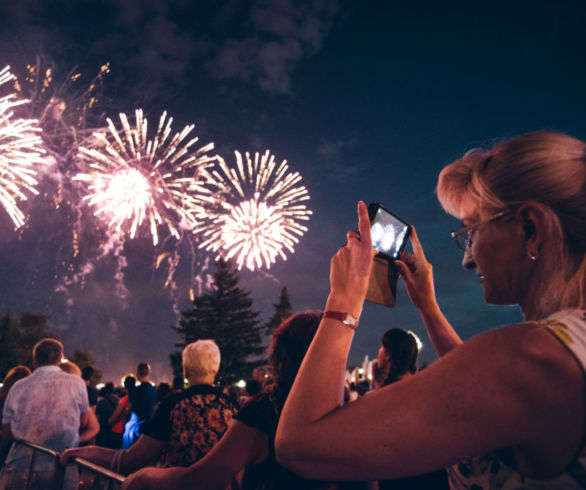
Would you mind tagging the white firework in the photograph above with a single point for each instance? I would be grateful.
(21, 153)
(132, 179)
(255, 210)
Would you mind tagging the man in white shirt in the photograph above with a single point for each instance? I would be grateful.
(50, 409)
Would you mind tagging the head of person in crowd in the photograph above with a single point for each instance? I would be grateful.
(178, 383)
(86, 373)
(129, 383)
(108, 389)
(523, 204)
(201, 362)
(163, 389)
(143, 370)
(253, 387)
(70, 367)
(289, 345)
(12, 376)
(47, 352)
(397, 356)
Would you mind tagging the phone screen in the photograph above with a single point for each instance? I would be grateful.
(389, 233)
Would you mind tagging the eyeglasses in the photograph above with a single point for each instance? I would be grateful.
(462, 236)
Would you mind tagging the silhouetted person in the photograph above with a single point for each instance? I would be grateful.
(104, 410)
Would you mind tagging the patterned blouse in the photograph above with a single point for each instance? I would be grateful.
(190, 423)
(490, 472)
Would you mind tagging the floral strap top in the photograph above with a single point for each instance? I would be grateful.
(489, 472)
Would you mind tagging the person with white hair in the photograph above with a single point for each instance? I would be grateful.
(184, 428)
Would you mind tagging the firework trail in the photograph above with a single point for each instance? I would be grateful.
(21, 153)
(67, 112)
(132, 179)
(254, 210)
(68, 109)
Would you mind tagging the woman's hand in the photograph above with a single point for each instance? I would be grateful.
(350, 268)
(154, 479)
(69, 455)
(417, 273)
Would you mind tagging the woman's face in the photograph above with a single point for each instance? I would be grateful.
(382, 359)
(497, 255)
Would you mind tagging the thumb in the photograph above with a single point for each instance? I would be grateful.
(402, 267)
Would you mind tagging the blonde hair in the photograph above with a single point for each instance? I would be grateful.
(70, 367)
(201, 359)
(542, 167)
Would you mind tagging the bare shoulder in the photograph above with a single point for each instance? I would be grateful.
(543, 382)
(533, 354)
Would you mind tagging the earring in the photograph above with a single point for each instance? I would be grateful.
(533, 255)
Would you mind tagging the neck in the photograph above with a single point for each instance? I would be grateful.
(203, 380)
(553, 285)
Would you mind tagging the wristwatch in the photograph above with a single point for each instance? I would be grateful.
(345, 318)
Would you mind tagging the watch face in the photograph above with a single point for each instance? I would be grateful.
(349, 320)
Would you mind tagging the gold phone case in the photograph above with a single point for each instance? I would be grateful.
(382, 285)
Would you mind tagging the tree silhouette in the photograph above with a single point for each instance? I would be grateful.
(283, 311)
(225, 315)
(18, 336)
(83, 358)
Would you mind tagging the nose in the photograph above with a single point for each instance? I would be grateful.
(468, 261)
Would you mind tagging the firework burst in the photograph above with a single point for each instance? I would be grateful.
(21, 153)
(133, 179)
(255, 210)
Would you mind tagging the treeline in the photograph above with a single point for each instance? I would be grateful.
(224, 313)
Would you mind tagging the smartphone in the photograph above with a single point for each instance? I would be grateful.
(389, 232)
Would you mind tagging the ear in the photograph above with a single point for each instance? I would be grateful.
(533, 216)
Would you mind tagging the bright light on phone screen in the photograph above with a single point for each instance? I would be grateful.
(387, 233)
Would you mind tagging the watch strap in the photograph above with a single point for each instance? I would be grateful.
(344, 317)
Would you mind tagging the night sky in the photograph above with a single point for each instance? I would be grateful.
(367, 100)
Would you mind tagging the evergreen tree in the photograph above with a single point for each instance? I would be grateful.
(18, 336)
(225, 315)
(83, 358)
(282, 311)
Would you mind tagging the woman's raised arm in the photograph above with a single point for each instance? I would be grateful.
(417, 273)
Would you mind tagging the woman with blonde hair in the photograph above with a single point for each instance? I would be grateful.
(505, 409)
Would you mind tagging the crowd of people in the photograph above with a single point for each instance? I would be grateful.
(505, 409)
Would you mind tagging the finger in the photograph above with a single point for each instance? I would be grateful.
(364, 224)
(416, 244)
(352, 234)
(408, 258)
(401, 266)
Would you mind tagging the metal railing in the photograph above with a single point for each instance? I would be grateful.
(91, 476)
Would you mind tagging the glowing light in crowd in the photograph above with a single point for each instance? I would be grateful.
(417, 340)
(133, 179)
(21, 152)
(255, 210)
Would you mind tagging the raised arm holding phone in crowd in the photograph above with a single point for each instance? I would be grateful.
(505, 409)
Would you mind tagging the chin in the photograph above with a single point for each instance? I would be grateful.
(497, 297)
